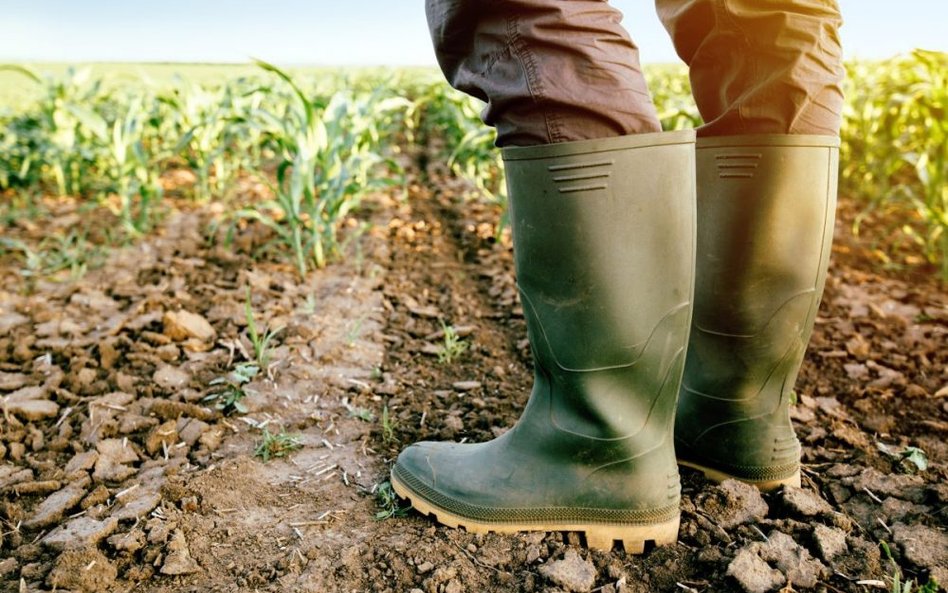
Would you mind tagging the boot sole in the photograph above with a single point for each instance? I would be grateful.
(762, 485)
(634, 538)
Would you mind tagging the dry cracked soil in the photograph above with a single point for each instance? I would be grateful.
(123, 468)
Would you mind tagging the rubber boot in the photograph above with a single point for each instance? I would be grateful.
(766, 207)
(603, 235)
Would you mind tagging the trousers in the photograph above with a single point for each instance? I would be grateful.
(562, 70)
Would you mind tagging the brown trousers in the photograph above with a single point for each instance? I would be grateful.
(561, 70)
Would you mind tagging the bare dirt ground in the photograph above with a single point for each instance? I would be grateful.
(120, 472)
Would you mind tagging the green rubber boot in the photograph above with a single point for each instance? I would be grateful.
(604, 252)
(766, 207)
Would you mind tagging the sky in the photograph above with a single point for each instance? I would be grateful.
(354, 32)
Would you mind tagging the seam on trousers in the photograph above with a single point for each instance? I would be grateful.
(724, 13)
(528, 63)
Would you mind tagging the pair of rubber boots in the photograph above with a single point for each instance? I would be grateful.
(650, 313)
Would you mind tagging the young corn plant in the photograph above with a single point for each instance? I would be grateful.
(326, 160)
(133, 172)
(228, 390)
(453, 345)
(280, 444)
(65, 131)
(262, 342)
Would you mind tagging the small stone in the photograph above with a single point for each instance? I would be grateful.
(453, 586)
(181, 325)
(171, 378)
(55, 506)
(80, 532)
(162, 436)
(753, 574)
(830, 542)
(85, 569)
(424, 567)
(466, 385)
(804, 502)
(572, 572)
(179, 561)
(732, 503)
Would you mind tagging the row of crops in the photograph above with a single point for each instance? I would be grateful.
(322, 143)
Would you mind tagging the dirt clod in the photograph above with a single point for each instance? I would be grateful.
(179, 560)
(79, 532)
(171, 378)
(55, 506)
(113, 455)
(924, 547)
(792, 560)
(32, 410)
(82, 569)
(181, 325)
(753, 574)
(162, 437)
(733, 503)
(804, 503)
(572, 572)
(830, 542)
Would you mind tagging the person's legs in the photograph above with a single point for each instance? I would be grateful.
(760, 66)
(550, 71)
(603, 232)
(766, 77)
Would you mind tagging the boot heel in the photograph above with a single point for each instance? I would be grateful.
(714, 475)
(634, 539)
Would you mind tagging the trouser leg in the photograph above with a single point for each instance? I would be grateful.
(549, 70)
(760, 66)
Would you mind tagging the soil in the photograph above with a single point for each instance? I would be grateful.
(119, 471)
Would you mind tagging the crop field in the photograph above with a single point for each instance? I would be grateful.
(230, 295)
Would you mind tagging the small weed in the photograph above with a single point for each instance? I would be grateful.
(262, 344)
(453, 346)
(388, 426)
(355, 328)
(54, 254)
(908, 585)
(230, 390)
(363, 414)
(309, 308)
(278, 444)
(912, 459)
(388, 502)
